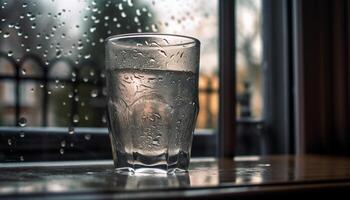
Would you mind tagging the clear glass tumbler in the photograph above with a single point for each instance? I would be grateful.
(152, 84)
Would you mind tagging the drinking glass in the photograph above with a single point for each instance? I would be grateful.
(152, 86)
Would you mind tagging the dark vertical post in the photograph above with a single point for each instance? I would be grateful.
(227, 113)
(17, 93)
(45, 96)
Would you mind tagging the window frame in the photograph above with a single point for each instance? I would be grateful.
(220, 142)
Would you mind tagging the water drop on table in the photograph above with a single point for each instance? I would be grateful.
(22, 122)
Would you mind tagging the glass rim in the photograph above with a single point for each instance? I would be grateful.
(193, 40)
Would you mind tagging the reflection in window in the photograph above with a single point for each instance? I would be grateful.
(68, 37)
(7, 91)
(249, 58)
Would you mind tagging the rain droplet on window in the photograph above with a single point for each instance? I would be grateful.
(76, 118)
(21, 158)
(70, 130)
(94, 93)
(120, 6)
(70, 95)
(130, 3)
(92, 29)
(6, 35)
(61, 151)
(63, 143)
(21, 134)
(22, 122)
(87, 137)
(138, 12)
(9, 142)
(123, 14)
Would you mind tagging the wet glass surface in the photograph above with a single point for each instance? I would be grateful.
(99, 176)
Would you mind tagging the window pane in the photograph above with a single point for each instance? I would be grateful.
(68, 38)
(57, 49)
(31, 102)
(6, 66)
(7, 103)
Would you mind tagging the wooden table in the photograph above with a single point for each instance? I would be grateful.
(244, 178)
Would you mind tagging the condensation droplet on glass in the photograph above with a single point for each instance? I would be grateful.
(38, 46)
(24, 5)
(154, 27)
(10, 53)
(76, 98)
(33, 26)
(49, 92)
(70, 130)
(22, 122)
(86, 117)
(123, 14)
(152, 60)
(63, 143)
(94, 93)
(32, 90)
(87, 137)
(9, 142)
(85, 79)
(162, 52)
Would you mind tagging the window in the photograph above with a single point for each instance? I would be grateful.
(52, 65)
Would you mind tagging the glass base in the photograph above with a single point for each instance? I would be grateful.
(148, 171)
